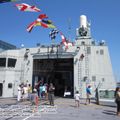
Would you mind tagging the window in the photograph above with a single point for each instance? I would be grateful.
(101, 52)
(103, 79)
(11, 62)
(84, 78)
(94, 78)
(109, 94)
(82, 43)
(88, 50)
(2, 62)
(93, 42)
(9, 85)
(97, 52)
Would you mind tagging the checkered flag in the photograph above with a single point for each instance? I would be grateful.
(53, 33)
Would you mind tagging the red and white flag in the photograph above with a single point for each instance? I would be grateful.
(30, 27)
(65, 42)
(26, 7)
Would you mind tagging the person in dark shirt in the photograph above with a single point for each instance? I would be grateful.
(51, 90)
(117, 100)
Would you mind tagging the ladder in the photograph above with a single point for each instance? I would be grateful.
(80, 77)
(22, 73)
(86, 66)
(24, 70)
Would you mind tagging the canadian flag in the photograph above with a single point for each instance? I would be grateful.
(26, 7)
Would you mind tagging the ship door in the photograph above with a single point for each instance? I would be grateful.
(57, 71)
(1, 89)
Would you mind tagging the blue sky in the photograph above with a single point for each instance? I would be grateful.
(103, 14)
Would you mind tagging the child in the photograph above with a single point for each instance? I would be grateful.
(34, 97)
(35, 100)
(77, 99)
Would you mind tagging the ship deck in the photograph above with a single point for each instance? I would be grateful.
(64, 109)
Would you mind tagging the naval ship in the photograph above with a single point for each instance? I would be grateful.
(85, 63)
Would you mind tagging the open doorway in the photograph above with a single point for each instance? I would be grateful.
(56, 71)
(1, 89)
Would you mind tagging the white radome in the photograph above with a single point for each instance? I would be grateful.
(83, 21)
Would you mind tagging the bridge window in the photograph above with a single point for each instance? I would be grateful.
(82, 43)
(2, 62)
(94, 78)
(11, 62)
(97, 52)
(9, 85)
(101, 52)
(88, 50)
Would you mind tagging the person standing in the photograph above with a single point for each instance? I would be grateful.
(43, 91)
(29, 91)
(77, 99)
(51, 90)
(117, 100)
(46, 91)
(19, 93)
(25, 96)
(40, 91)
(88, 94)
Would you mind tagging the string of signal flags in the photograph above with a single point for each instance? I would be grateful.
(42, 21)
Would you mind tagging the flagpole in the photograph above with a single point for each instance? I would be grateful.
(53, 42)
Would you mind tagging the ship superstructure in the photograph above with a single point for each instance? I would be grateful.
(85, 63)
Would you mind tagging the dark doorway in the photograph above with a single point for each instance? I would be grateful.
(56, 71)
(1, 89)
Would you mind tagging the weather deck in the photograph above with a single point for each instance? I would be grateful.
(64, 109)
